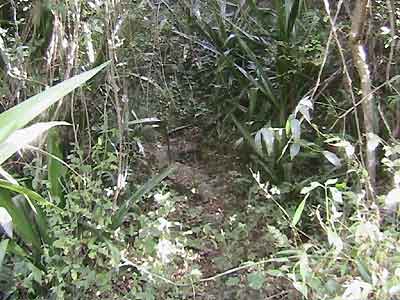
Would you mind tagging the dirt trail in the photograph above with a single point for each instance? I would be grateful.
(205, 177)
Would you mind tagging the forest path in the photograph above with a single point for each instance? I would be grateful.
(209, 182)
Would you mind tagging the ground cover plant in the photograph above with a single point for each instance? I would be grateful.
(199, 149)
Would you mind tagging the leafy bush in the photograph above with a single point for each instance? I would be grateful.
(356, 256)
(260, 63)
(22, 213)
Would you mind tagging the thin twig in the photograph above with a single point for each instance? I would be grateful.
(248, 265)
(365, 98)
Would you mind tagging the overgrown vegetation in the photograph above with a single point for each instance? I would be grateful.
(199, 150)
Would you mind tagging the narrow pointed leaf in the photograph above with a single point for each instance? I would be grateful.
(21, 138)
(248, 138)
(145, 121)
(7, 176)
(373, 141)
(295, 129)
(294, 150)
(19, 213)
(6, 224)
(332, 158)
(267, 138)
(56, 170)
(23, 227)
(20, 115)
(119, 216)
(292, 17)
(313, 185)
(25, 191)
(299, 211)
(3, 250)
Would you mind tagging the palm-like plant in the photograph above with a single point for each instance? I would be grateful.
(261, 71)
(23, 214)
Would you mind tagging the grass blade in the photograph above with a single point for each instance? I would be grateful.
(56, 170)
(299, 211)
(25, 191)
(22, 225)
(294, 13)
(281, 18)
(119, 216)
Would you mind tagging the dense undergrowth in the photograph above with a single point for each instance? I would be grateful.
(207, 150)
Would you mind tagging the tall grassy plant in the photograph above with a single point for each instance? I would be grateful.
(263, 65)
(28, 220)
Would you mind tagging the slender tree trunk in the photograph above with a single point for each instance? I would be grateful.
(358, 32)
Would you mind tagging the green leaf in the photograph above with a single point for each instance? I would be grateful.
(252, 95)
(294, 150)
(233, 281)
(265, 137)
(331, 181)
(56, 170)
(313, 185)
(295, 129)
(256, 280)
(332, 158)
(22, 225)
(3, 250)
(301, 287)
(115, 254)
(292, 17)
(6, 224)
(23, 137)
(6, 273)
(7, 176)
(247, 137)
(363, 270)
(222, 32)
(25, 191)
(275, 273)
(281, 18)
(33, 229)
(264, 84)
(20, 115)
(299, 211)
(288, 124)
(305, 270)
(335, 240)
(119, 216)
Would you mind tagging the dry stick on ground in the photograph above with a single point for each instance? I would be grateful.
(357, 36)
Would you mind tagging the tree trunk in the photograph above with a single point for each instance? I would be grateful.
(358, 32)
